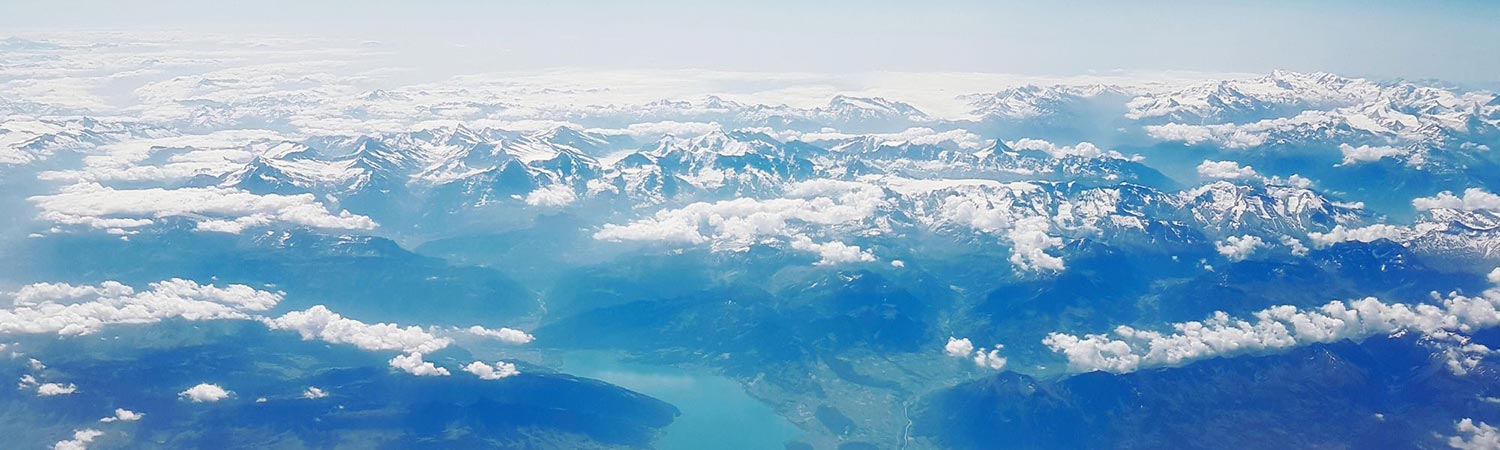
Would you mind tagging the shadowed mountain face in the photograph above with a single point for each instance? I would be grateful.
(268, 374)
(367, 277)
(1381, 393)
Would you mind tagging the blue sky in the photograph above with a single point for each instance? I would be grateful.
(1453, 40)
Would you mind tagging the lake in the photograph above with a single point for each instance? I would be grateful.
(716, 411)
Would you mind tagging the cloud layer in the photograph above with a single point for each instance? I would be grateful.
(1128, 349)
(214, 209)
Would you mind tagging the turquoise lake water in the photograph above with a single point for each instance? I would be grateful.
(716, 411)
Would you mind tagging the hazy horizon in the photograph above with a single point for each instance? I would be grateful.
(1409, 40)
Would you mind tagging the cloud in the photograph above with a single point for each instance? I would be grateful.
(204, 393)
(314, 393)
(1474, 436)
(318, 322)
(1237, 248)
(215, 209)
(500, 369)
(123, 415)
(1294, 245)
(56, 308)
(963, 139)
(1366, 153)
(649, 130)
(80, 441)
(169, 159)
(1369, 233)
(54, 389)
(958, 347)
(42, 292)
(1296, 181)
(553, 196)
(1030, 242)
(982, 357)
(1227, 135)
(832, 252)
(1228, 170)
(809, 207)
(506, 335)
(1082, 149)
(989, 358)
(412, 363)
(1278, 327)
(1001, 208)
(1474, 199)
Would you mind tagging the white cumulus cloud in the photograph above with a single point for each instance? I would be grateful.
(1474, 436)
(80, 441)
(500, 369)
(1237, 248)
(832, 252)
(53, 389)
(958, 347)
(204, 393)
(1229, 170)
(412, 363)
(1366, 153)
(988, 358)
(314, 393)
(318, 322)
(506, 335)
(123, 415)
(1030, 242)
(554, 196)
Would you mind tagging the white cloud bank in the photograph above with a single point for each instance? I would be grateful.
(916, 136)
(76, 310)
(1278, 327)
(1474, 199)
(1228, 170)
(318, 322)
(1082, 149)
(1369, 233)
(69, 310)
(736, 224)
(214, 209)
